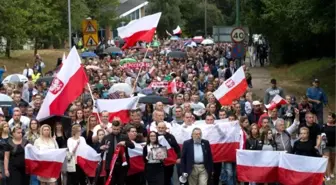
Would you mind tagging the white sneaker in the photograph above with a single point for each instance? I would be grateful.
(332, 176)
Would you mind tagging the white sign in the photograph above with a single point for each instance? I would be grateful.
(238, 35)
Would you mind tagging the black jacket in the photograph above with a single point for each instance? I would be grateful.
(187, 158)
(254, 144)
(228, 73)
(110, 138)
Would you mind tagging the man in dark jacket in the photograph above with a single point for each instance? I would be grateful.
(196, 159)
(109, 143)
(230, 70)
(169, 169)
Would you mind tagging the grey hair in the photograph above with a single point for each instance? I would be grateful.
(278, 121)
(195, 129)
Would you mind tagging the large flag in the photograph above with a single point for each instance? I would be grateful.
(137, 164)
(277, 100)
(142, 29)
(224, 138)
(177, 31)
(66, 86)
(257, 166)
(301, 170)
(44, 163)
(117, 107)
(88, 159)
(273, 166)
(233, 88)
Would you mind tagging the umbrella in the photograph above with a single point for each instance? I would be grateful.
(174, 38)
(47, 79)
(51, 120)
(177, 54)
(127, 60)
(5, 100)
(112, 50)
(191, 44)
(88, 54)
(207, 41)
(198, 39)
(15, 78)
(122, 87)
(152, 99)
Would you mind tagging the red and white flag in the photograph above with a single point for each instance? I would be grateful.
(171, 154)
(142, 29)
(88, 159)
(224, 138)
(44, 163)
(117, 107)
(257, 166)
(233, 88)
(66, 86)
(177, 31)
(276, 101)
(172, 87)
(137, 163)
(301, 170)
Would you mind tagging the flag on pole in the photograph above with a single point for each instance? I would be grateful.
(177, 31)
(66, 86)
(233, 88)
(142, 29)
(276, 101)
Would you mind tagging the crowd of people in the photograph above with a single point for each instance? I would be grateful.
(297, 127)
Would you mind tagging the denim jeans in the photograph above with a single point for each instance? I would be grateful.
(34, 180)
(228, 174)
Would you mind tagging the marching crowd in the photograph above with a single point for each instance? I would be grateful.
(297, 127)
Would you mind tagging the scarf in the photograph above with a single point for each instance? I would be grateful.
(118, 151)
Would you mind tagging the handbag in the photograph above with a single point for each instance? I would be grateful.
(71, 164)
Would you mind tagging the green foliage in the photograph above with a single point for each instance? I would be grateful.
(171, 15)
(103, 10)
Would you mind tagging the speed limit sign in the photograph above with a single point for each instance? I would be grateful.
(238, 35)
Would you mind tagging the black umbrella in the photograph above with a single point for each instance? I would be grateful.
(152, 99)
(177, 54)
(47, 79)
(112, 50)
(51, 120)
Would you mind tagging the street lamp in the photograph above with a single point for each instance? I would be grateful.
(69, 22)
(205, 19)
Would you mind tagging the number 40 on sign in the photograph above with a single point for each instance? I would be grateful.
(238, 35)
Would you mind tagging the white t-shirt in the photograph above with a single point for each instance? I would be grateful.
(153, 126)
(97, 127)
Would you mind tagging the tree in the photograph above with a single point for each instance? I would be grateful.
(104, 11)
(13, 15)
(171, 15)
(194, 22)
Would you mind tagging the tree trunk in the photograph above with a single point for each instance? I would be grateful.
(8, 47)
(35, 46)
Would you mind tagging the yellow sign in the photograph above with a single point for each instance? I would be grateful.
(90, 40)
(90, 33)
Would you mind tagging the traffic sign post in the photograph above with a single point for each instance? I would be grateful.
(90, 33)
(238, 35)
(238, 50)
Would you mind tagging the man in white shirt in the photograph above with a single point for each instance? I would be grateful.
(158, 116)
(18, 119)
(196, 105)
(105, 124)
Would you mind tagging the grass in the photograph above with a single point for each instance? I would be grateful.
(296, 78)
(19, 58)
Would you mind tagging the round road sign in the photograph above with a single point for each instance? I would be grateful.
(237, 35)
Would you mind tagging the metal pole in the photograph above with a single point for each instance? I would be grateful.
(237, 13)
(69, 22)
(205, 19)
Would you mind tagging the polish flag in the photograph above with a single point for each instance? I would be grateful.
(142, 29)
(233, 88)
(117, 107)
(257, 166)
(88, 159)
(137, 163)
(177, 31)
(171, 154)
(224, 137)
(301, 170)
(276, 101)
(66, 86)
(44, 163)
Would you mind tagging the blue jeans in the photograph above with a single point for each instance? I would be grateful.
(228, 174)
